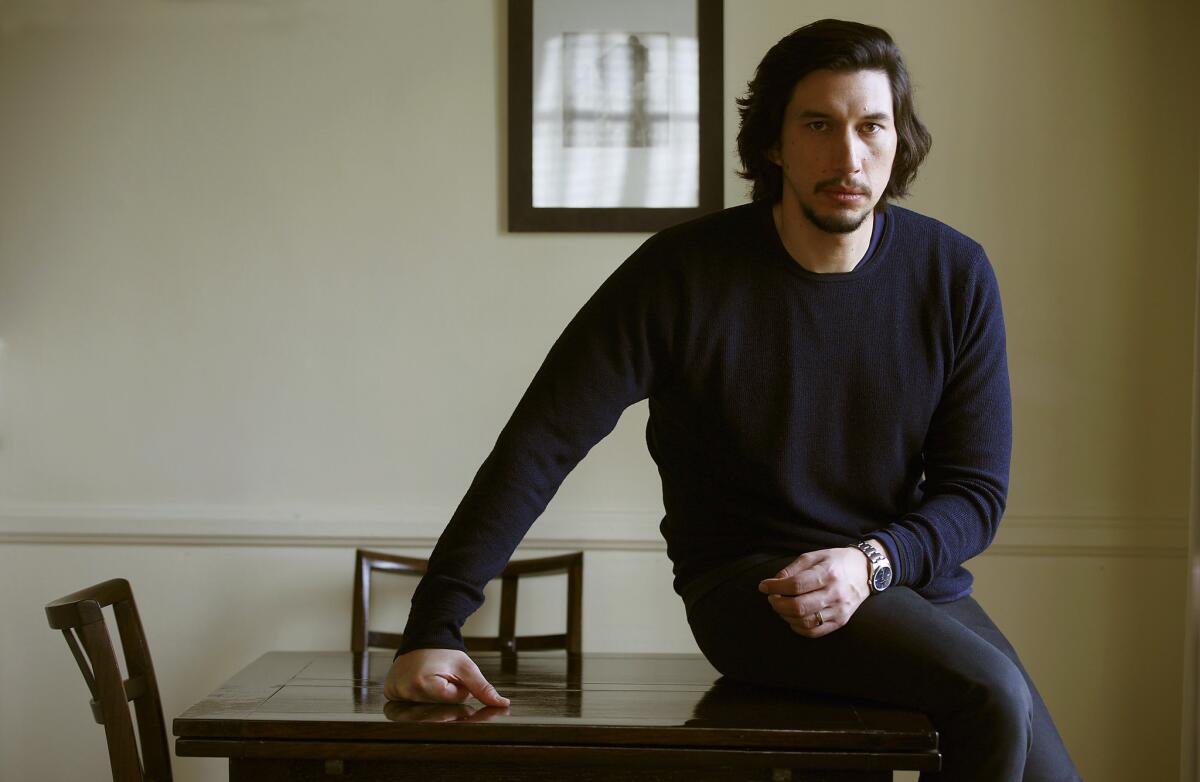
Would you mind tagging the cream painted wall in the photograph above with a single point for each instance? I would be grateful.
(1189, 768)
(256, 306)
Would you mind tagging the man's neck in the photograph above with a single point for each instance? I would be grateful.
(819, 251)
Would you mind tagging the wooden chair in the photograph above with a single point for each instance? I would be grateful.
(81, 620)
(507, 641)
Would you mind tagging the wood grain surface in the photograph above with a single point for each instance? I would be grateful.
(666, 713)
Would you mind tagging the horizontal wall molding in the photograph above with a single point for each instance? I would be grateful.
(633, 530)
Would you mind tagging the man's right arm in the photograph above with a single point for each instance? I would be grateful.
(612, 354)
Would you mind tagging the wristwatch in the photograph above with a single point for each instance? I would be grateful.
(879, 571)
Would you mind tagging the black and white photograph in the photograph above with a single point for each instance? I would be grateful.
(608, 115)
(617, 91)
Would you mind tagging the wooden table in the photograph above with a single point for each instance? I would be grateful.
(323, 716)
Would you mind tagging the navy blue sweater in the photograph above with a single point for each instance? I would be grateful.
(789, 411)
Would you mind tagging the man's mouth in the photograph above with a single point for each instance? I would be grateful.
(840, 190)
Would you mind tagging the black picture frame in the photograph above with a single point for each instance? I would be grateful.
(524, 216)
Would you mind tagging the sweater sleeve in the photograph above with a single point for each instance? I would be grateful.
(611, 355)
(968, 445)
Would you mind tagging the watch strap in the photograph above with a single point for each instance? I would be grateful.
(876, 559)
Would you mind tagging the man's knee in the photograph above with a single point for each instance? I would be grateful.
(1000, 698)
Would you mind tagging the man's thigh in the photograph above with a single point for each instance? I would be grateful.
(897, 648)
(948, 660)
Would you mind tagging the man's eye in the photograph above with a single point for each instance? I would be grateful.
(872, 128)
(817, 125)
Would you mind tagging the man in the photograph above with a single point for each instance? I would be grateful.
(829, 412)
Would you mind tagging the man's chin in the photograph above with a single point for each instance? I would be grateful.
(836, 223)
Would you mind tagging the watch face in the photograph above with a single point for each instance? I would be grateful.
(882, 578)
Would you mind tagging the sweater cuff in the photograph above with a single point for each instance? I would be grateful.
(431, 633)
(893, 553)
(406, 647)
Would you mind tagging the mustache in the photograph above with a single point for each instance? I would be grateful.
(831, 184)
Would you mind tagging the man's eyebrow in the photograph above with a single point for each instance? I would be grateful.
(812, 114)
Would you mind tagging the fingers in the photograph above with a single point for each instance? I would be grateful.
(795, 607)
(424, 687)
(433, 688)
(808, 573)
(443, 688)
(810, 611)
(799, 584)
(471, 678)
(819, 623)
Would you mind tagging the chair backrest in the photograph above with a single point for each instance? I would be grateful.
(81, 620)
(506, 641)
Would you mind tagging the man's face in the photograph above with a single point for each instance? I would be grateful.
(836, 147)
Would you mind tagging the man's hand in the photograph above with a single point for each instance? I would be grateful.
(439, 676)
(820, 591)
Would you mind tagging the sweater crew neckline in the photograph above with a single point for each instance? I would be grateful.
(881, 237)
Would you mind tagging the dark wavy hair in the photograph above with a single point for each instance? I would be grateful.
(833, 45)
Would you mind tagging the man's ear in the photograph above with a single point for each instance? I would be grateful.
(773, 155)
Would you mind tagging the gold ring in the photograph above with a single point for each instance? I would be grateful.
(820, 619)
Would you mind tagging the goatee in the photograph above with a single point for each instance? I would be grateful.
(836, 223)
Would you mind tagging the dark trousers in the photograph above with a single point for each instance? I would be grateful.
(946, 659)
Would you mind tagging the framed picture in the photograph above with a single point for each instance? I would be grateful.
(614, 117)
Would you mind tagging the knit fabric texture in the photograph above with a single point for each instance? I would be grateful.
(789, 411)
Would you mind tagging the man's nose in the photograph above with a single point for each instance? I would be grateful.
(847, 155)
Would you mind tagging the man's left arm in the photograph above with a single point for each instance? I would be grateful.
(966, 456)
(968, 446)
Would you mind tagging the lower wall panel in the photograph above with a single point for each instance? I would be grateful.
(1102, 635)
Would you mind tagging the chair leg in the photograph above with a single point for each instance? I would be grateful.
(508, 615)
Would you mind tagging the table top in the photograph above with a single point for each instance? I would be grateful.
(616, 700)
